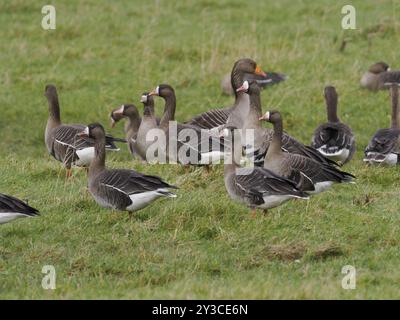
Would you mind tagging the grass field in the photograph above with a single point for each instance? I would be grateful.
(200, 245)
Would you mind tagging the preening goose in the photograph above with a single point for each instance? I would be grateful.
(292, 166)
(120, 189)
(184, 143)
(334, 139)
(62, 141)
(263, 136)
(214, 118)
(12, 208)
(267, 80)
(384, 147)
(378, 76)
(255, 187)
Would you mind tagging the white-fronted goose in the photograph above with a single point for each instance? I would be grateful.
(384, 147)
(214, 118)
(62, 141)
(12, 208)
(334, 139)
(267, 80)
(120, 189)
(289, 165)
(195, 146)
(256, 187)
(263, 136)
(379, 76)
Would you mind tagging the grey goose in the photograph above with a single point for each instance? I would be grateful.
(62, 141)
(120, 189)
(292, 166)
(12, 208)
(255, 187)
(334, 139)
(384, 147)
(379, 76)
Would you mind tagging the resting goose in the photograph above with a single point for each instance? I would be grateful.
(193, 145)
(334, 139)
(12, 208)
(384, 147)
(256, 187)
(263, 136)
(62, 141)
(120, 189)
(267, 80)
(215, 118)
(289, 165)
(378, 75)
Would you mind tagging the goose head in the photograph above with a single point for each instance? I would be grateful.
(124, 110)
(250, 87)
(247, 65)
(272, 116)
(50, 91)
(163, 90)
(94, 131)
(379, 67)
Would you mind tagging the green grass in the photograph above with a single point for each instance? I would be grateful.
(200, 245)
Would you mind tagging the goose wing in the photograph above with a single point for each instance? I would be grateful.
(333, 137)
(210, 119)
(384, 141)
(10, 204)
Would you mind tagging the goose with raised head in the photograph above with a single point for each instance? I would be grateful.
(62, 141)
(255, 187)
(384, 147)
(233, 115)
(12, 208)
(290, 165)
(379, 77)
(120, 189)
(334, 139)
(263, 136)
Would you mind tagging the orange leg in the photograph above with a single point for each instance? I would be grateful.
(253, 213)
(68, 173)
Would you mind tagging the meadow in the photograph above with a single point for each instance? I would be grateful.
(201, 244)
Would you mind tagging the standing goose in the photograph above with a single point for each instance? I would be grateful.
(378, 76)
(62, 141)
(384, 147)
(120, 189)
(263, 136)
(334, 139)
(289, 165)
(256, 187)
(12, 208)
(193, 145)
(215, 118)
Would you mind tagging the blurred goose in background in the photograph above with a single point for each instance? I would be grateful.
(215, 118)
(62, 141)
(264, 80)
(255, 187)
(384, 147)
(379, 76)
(334, 139)
(199, 146)
(303, 170)
(120, 189)
(263, 136)
(12, 208)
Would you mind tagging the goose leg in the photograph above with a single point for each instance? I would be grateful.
(253, 213)
(265, 211)
(68, 173)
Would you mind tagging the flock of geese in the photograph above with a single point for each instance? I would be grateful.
(283, 169)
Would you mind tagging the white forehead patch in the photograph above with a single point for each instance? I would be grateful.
(246, 85)
(86, 131)
(158, 90)
(143, 98)
(266, 116)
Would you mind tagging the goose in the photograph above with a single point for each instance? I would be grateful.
(263, 136)
(255, 187)
(120, 189)
(233, 115)
(61, 140)
(334, 139)
(12, 208)
(267, 80)
(194, 146)
(384, 147)
(378, 76)
(289, 165)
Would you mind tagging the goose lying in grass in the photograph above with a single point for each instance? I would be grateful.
(120, 189)
(12, 208)
(334, 139)
(379, 76)
(62, 141)
(298, 167)
(384, 147)
(255, 187)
